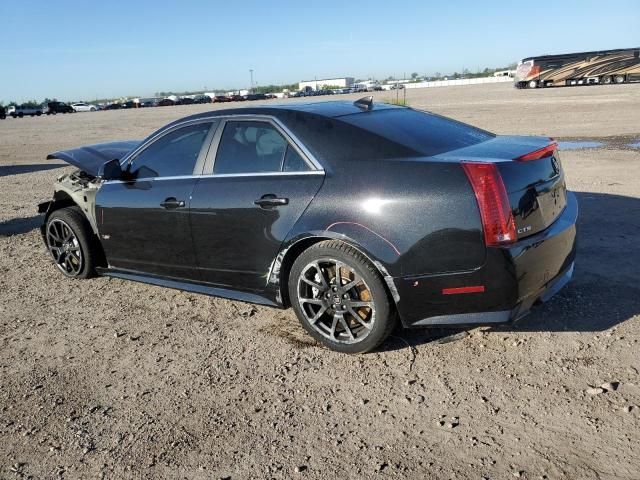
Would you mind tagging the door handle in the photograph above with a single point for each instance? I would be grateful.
(270, 200)
(171, 203)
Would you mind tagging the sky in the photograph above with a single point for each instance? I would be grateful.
(83, 50)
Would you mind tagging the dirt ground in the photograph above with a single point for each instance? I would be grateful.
(111, 379)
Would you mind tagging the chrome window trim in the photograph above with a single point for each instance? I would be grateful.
(219, 175)
(299, 145)
(204, 169)
(262, 174)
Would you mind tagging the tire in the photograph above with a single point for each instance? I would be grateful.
(330, 314)
(38, 114)
(618, 79)
(606, 80)
(532, 84)
(71, 243)
(92, 109)
(21, 115)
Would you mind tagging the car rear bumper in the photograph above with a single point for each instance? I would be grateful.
(512, 280)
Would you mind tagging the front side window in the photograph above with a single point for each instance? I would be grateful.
(175, 153)
(255, 147)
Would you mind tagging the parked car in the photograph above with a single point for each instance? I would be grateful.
(185, 101)
(166, 102)
(83, 107)
(148, 102)
(255, 96)
(236, 98)
(112, 106)
(52, 108)
(23, 110)
(354, 214)
(129, 104)
(202, 99)
(3, 113)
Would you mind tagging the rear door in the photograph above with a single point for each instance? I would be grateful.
(143, 221)
(259, 182)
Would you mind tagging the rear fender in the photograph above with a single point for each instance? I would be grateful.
(368, 243)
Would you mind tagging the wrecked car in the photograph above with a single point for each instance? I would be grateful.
(355, 215)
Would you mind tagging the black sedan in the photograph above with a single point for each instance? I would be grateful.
(354, 214)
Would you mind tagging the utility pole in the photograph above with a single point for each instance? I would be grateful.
(251, 84)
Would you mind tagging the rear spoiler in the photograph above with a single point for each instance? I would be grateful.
(543, 152)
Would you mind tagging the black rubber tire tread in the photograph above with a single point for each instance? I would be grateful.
(74, 217)
(386, 319)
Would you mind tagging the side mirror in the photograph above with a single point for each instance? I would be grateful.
(110, 170)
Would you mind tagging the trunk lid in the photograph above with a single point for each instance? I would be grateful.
(91, 157)
(536, 187)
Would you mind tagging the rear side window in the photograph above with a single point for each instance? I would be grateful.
(250, 147)
(425, 133)
(293, 162)
(173, 154)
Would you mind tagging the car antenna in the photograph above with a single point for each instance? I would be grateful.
(366, 103)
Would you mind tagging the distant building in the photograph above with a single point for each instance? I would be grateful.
(237, 92)
(329, 82)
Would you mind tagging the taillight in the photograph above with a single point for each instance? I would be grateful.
(497, 220)
(543, 152)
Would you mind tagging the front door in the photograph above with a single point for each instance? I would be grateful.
(143, 220)
(240, 215)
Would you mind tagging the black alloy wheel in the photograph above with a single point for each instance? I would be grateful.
(64, 247)
(70, 243)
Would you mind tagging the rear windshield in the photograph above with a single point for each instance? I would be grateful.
(426, 133)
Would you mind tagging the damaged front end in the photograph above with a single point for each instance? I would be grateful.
(76, 188)
(81, 186)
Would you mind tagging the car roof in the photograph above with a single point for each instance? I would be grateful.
(331, 109)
